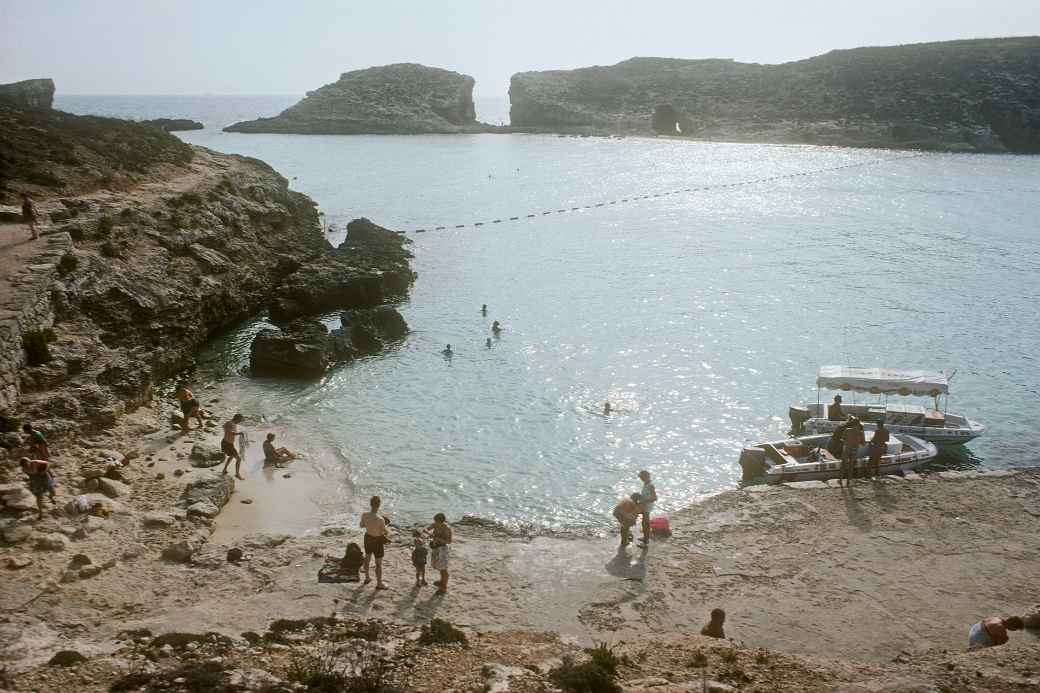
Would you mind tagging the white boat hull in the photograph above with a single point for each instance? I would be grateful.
(940, 435)
(804, 458)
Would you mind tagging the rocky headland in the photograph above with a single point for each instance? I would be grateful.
(174, 124)
(973, 95)
(400, 99)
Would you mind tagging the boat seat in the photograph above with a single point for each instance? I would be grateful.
(934, 418)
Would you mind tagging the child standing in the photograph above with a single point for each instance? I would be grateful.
(419, 553)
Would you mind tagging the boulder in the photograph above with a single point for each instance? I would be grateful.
(51, 542)
(16, 497)
(153, 520)
(18, 562)
(203, 508)
(180, 552)
(17, 534)
(35, 94)
(205, 455)
(113, 488)
(234, 555)
(215, 489)
(303, 348)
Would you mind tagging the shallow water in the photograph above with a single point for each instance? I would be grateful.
(699, 316)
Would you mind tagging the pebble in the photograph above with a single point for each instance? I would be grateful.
(247, 501)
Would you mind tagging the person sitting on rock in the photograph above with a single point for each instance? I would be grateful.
(37, 443)
(273, 455)
(992, 631)
(189, 406)
(713, 629)
(41, 480)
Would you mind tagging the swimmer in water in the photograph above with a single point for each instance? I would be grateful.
(447, 351)
(483, 310)
(496, 328)
(488, 343)
(607, 408)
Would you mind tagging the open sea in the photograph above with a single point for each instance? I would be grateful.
(700, 315)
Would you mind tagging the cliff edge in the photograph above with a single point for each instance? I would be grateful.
(399, 99)
(30, 93)
(973, 95)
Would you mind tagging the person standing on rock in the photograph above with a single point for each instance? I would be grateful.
(29, 215)
(227, 445)
(376, 539)
(37, 442)
(440, 546)
(189, 406)
(41, 480)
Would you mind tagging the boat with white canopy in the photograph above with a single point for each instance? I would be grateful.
(806, 458)
(934, 424)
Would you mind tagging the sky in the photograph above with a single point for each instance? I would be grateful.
(292, 46)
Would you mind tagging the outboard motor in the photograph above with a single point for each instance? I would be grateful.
(799, 415)
(752, 463)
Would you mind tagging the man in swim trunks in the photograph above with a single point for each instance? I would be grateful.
(40, 480)
(992, 631)
(189, 406)
(376, 538)
(852, 439)
(227, 445)
(878, 446)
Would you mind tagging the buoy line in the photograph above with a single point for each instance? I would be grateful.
(648, 196)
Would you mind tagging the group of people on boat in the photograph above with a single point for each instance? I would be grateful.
(847, 438)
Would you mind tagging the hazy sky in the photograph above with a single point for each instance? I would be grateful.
(290, 46)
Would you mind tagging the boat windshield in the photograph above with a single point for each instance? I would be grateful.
(883, 381)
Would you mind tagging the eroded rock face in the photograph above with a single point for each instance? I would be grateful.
(976, 95)
(35, 94)
(174, 124)
(404, 98)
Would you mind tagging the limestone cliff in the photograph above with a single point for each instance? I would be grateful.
(174, 124)
(404, 98)
(975, 95)
(151, 266)
(30, 93)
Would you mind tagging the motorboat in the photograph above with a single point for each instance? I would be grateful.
(806, 458)
(930, 423)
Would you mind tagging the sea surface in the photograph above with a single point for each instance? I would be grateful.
(701, 316)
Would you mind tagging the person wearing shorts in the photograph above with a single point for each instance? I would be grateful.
(41, 481)
(440, 546)
(190, 406)
(227, 445)
(376, 538)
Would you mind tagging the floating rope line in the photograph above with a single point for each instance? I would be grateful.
(648, 196)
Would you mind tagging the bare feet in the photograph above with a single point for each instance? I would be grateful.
(239, 476)
(442, 590)
(381, 586)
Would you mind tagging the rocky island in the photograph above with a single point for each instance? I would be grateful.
(400, 99)
(174, 124)
(973, 95)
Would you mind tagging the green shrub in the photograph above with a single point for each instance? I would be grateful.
(587, 677)
(105, 226)
(604, 657)
(325, 671)
(131, 682)
(67, 264)
(440, 632)
(36, 344)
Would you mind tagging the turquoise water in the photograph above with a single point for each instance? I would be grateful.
(700, 316)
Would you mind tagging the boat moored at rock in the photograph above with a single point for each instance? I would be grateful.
(933, 424)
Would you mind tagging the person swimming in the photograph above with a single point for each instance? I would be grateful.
(487, 342)
(447, 351)
(607, 408)
(483, 309)
(496, 328)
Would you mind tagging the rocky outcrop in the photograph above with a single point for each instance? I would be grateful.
(975, 95)
(368, 269)
(307, 348)
(35, 94)
(399, 99)
(174, 124)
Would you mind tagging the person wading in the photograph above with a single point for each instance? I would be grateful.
(227, 445)
(376, 539)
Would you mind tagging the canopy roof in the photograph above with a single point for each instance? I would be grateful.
(883, 381)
